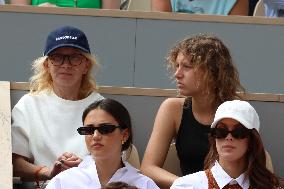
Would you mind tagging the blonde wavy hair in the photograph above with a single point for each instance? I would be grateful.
(42, 81)
(212, 57)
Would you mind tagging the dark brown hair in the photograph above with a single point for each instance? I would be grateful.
(259, 176)
(212, 57)
(116, 110)
(118, 185)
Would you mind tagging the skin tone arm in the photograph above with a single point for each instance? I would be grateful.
(165, 129)
(111, 4)
(240, 8)
(161, 5)
(26, 170)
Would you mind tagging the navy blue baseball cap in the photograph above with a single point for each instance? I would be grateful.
(66, 36)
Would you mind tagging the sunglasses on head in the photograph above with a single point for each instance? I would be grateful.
(102, 128)
(238, 133)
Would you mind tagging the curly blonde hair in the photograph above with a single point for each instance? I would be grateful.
(42, 81)
(212, 57)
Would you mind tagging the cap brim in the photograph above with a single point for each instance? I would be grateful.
(213, 125)
(66, 45)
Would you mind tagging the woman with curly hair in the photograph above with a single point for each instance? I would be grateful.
(206, 76)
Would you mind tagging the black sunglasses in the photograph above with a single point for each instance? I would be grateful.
(238, 133)
(103, 129)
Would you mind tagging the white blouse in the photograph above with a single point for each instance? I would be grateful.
(199, 180)
(85, 176)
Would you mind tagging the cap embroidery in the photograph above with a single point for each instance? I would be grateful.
(65, 37)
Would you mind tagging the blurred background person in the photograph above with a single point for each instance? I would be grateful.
(274, 8)
(252, 4)
(218, 7)
(103, 4)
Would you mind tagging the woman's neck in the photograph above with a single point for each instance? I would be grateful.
(234, 168)
(106, 168)
(67, 93)
(203, 110)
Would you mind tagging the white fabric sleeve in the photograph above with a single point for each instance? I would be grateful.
(182, 183)
(54, 184)
(151, 185)
(20, 133)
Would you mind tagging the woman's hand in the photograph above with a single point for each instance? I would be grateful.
(69, 160)
(63, 162)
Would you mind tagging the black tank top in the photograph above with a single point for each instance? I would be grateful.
(192, 141)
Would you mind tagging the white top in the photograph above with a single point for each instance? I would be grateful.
(44, 126)
(85, 176)
(199, 180)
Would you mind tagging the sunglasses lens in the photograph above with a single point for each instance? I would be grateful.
(106, 129)
(240, 133)
(86, 130)
(103, 129)
(219, 133)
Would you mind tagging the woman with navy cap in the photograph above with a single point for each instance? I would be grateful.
(44, 138)
(236, 158)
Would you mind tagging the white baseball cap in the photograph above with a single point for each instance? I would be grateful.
(240, 111)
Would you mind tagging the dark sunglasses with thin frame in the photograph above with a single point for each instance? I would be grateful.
(238, 133)
(102, 128)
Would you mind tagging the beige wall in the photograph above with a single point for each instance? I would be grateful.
(5, 137)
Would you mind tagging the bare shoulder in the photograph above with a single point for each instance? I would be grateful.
(171, 109)
(173, 106)
(175, 103)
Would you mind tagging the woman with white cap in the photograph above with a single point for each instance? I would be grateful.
(44, 137)
(236, 158)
